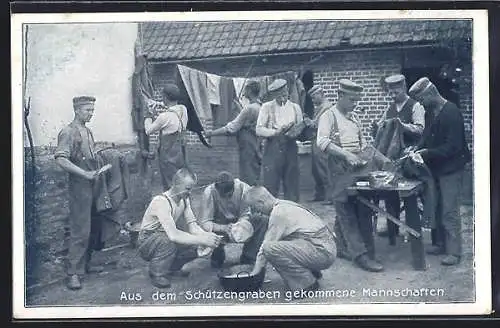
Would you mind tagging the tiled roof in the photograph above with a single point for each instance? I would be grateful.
(190, 40)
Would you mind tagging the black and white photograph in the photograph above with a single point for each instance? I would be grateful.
(251, 163)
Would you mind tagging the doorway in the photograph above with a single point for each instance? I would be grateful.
(444, 86)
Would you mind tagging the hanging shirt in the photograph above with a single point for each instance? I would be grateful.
(239, 83)
(213, 83)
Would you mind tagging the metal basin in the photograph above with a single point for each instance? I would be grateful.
(237, 278)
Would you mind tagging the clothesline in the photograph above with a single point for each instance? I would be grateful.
(212, 95)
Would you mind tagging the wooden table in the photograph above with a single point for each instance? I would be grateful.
(408, 190)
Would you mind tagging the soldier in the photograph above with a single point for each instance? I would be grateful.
(340, 136)
(320, 169)
(248, 142)
(171, 123)
(444, 150)
(297, 243)
(75, 154)
(162, 240)
(411, 115)
(280, 121)
(221, 207)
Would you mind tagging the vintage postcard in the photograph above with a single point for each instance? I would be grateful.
(251, 164)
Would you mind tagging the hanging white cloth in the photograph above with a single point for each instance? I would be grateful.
(213, 83)
(239, 83)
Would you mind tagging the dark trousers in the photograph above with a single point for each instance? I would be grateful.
(84, 225)
(393, 207)
(170, 158)
(296, 258)
(448, 231)
(280, 164)
(354, 228)
(320, 172)
(162, 254)
(249, 157)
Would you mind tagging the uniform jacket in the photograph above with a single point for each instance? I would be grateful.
(112, 187)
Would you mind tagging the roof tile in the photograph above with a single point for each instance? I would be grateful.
(178, 40)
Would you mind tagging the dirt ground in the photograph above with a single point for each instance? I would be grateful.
(126, 277)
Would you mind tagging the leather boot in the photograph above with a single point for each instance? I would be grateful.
(450, 260)
(73, 282)
(311, 288)
(435, 250)
(365, 263)
(94, 268)
(317, 274)
(318, 198)
(160, 281)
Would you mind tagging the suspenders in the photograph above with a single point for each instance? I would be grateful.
(335, 133)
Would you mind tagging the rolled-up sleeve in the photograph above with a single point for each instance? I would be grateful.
(236, 124)
(324, 131)
(64, 144)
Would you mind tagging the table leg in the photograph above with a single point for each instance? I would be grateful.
(417, 244)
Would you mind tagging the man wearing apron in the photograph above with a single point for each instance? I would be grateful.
(171, 122)
(248, 143)
(161, 242)
(75, 154)
(444, 150)
(297, 243)
(221, 207)
(339, 135)
(280, 121)
(320, 169)
(411, 115)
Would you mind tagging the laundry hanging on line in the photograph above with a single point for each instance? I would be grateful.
(201, 90)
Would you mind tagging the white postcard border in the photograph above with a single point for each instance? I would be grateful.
(482, 239)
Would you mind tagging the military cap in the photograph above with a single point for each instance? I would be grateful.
(348, 86)
(277, 85)
(82, 100)
(420, 86)
(395, 79)
(171, 91)
(315, 89)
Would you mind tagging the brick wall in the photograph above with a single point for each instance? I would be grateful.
(363, 67)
